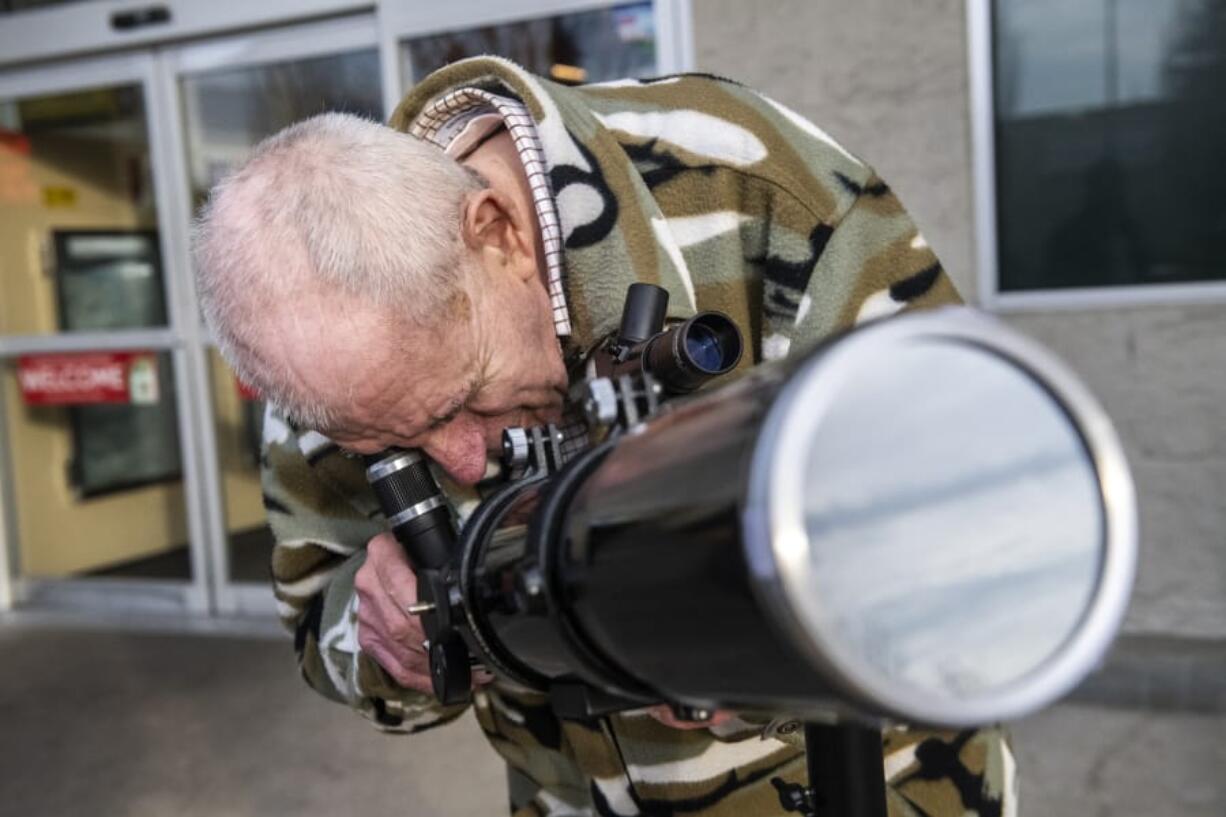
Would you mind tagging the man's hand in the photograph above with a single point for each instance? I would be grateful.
(664, 714)
(386, 587)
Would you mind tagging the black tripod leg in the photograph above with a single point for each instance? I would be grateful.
(846, 774)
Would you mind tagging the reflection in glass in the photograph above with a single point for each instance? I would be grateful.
(589, 46)
(1110, 122)
(238, 415)
(112, 279)
(71, 162)
(137, 532)
(122, 447)
(108, 279)
(929, 516)
(226, 112)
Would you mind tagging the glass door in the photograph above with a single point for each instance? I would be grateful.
(95, 411)
(231, 93)
(569, 41)
(129, 470)
(573, 46)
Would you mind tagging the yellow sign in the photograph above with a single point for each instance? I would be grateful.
(59, 196)
(103, 103)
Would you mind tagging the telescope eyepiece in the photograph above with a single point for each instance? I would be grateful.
(400, 479)
(413, 504)
(692, 352)
(704, 350)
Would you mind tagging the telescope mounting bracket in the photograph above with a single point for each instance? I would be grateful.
(532, 452)
(620, 402)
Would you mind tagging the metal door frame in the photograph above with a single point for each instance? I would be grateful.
(85, 28)
(119, 594)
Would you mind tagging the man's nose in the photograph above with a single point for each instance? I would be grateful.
(459, 448)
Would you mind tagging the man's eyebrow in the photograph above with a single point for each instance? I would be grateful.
(454, 408)
(446, 417)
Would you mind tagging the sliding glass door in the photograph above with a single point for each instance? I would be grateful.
(129, 453)
(97, 451)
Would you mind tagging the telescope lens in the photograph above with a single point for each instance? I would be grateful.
(951, 527)
(704, 348)
(691, 353)
(955, 541)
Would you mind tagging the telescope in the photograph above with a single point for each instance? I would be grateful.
(927, 519)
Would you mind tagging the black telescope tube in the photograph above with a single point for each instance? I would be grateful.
(630, 601)
(413, 504)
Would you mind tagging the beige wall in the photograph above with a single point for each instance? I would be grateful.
(889, 79)
(1161, 373)
(60, 534)
(886, 79)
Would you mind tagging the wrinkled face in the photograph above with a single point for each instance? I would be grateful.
(450, 390)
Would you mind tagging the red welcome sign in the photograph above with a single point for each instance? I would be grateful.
(88, 378)
(15, 141)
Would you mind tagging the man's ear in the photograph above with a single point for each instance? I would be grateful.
(491, 221)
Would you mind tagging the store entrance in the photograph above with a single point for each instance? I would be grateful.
(130, 452)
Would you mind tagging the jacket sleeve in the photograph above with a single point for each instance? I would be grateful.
(322, 514)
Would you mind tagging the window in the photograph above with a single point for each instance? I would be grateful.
(1109, 125)
(103, 161)
(226, 111)
(583, 46)
(112, 279)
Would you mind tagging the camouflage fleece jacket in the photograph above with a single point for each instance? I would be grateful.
(732, 202)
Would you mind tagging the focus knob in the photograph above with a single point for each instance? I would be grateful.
(515, 448)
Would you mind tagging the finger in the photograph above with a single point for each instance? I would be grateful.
(392, 569)
(366, 580)
(393, 654)
(399, 658)
(382, 613)
(412, 677)
(664, 714)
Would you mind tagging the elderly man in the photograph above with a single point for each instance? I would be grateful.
(429, 284)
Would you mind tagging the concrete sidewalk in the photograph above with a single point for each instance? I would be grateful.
(129, 724)
(125, 724)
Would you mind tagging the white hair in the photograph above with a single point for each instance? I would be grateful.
(333, 201)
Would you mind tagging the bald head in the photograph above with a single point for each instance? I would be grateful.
(330, 217)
